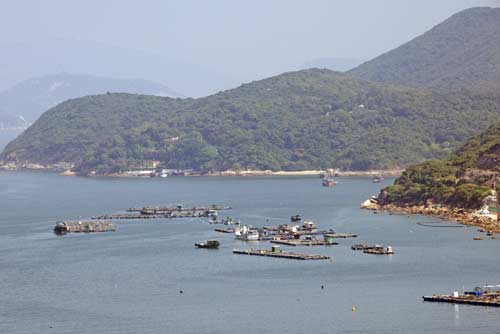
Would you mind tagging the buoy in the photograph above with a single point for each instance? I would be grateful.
(353, 309)
(181, 291)
(322, 287)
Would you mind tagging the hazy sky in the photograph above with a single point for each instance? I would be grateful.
(243, 39)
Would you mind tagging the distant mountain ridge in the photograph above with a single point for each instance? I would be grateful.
(26, 101)
(461, 52)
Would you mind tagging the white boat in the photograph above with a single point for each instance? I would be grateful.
(246, 234)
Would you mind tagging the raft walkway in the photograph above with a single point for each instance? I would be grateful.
(167, 210)
(198, 214)
(296, 242)
(281, 254)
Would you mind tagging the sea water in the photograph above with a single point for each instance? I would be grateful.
(130, 281)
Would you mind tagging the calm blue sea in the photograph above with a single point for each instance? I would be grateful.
(129, 281)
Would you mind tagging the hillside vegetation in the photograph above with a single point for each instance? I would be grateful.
(461, 52)
(462, 180)
(295, 121)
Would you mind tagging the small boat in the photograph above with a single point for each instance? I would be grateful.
(380, 251)
(163, 173)
(208, 244)
(296, 218)
(378, 179)
(328, 182)
(308, 225)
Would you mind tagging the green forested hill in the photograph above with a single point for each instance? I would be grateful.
(461, 180)
(461, 52)
(297, 120)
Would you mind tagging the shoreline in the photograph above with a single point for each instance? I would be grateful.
(484, 223)
(388, 172)
(228, 173)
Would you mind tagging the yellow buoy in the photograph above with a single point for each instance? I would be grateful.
(353, 309)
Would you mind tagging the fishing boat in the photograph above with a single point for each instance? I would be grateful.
(377, 178)
(328, 182)
(208, 244)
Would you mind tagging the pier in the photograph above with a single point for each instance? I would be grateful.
(276, 252)
(64, 227)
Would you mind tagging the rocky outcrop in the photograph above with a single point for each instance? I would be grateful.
(486, 223)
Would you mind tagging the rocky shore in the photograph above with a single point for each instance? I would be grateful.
(485, 223)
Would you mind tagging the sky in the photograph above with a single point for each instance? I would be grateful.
(227, 40)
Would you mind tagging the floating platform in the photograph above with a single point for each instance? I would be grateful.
(340, 235)
(298, 242)
(275, 252)
(487, 299)
(179, 208)
(171, 215)
(64, 227)
(224, 229)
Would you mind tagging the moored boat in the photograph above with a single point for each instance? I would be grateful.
(328, 182)
(208, 244)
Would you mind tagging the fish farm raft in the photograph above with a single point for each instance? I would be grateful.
(488, 295)
(277, 252)
(64, 227)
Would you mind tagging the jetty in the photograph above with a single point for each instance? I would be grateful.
(483, 296)
(277, 252)
(64, 227)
